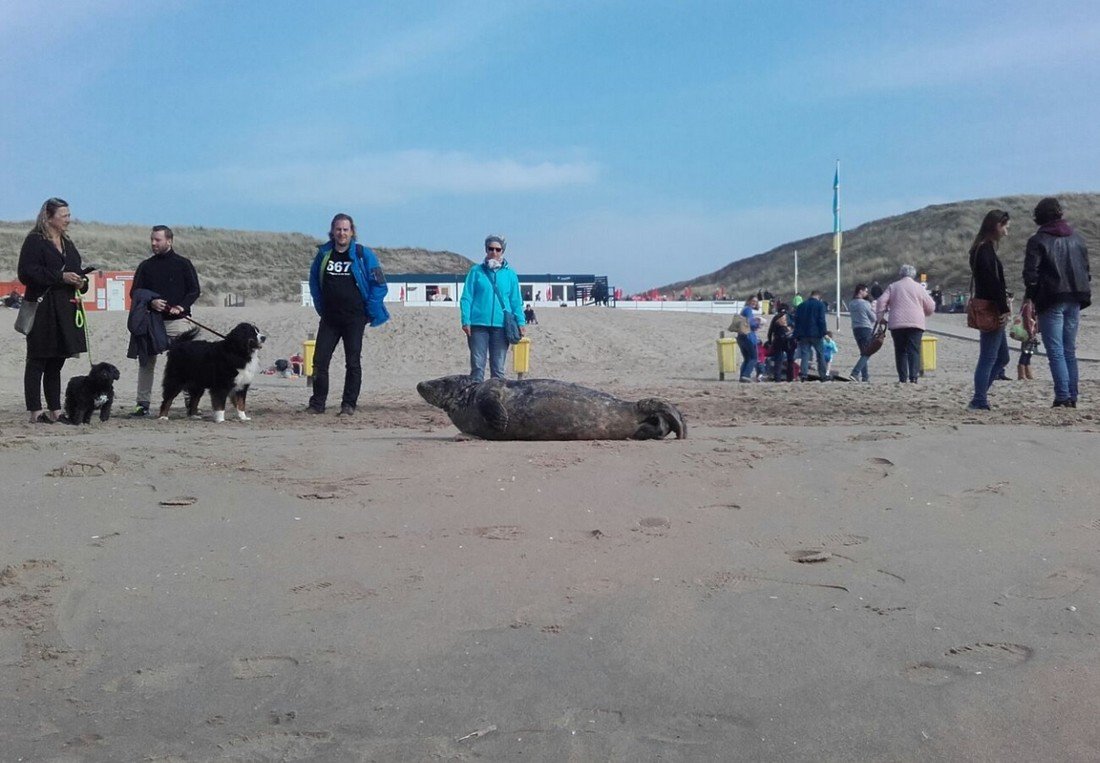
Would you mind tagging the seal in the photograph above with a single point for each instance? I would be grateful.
(546, 409)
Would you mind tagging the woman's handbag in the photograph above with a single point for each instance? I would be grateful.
(983, 314)
(24, 322)
(511, 325)
(878, 336)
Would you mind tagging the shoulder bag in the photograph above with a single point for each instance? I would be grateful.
(982, 314)
(878, 336)
(24, 321)
(511, 325)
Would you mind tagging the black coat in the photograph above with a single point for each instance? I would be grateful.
(55, 333)
(147, 333)
(989, 276)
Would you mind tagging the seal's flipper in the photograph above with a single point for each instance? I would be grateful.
(491, 408)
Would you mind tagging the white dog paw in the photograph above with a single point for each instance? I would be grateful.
(219, 417)
(242, 416)
(163, 418)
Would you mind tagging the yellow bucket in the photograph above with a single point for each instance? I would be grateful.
(308, 346)
(521, 357)
(927, 354)
(727, 357)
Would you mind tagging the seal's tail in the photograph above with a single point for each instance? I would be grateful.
(662, 417)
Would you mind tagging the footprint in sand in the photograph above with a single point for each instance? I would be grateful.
(876, 435)
(321, 594)
(1053, 586)
(794, 543)
(495, 532)
(91, 466)
(972, 659)
(265, 666)
(160, 678)
(654, 525)
(277, 745)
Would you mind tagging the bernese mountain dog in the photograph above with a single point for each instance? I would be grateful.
(84, 394)
(226, 368)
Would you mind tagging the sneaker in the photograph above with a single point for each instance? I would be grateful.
(313, 409)
(346, 410)
(139, 411)
(978, 407)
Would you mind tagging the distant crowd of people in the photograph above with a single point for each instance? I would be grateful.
(798, 344)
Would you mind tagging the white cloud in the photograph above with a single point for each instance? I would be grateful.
(460, 26)
(386, 178)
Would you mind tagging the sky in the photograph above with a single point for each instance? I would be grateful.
(647, 141)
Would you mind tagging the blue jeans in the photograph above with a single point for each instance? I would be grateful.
(806, 347)
(992, 359)
(487, 341)
(862, 336)
(747, 346)
(1058, 325)
(907, 353)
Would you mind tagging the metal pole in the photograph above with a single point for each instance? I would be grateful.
(796, 271)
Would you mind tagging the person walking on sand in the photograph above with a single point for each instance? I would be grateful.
(491, 288)
(348, 286)
(810, 329)
(747, 338)
(174, 280)
(989, 283)
(1056, 281)
(908, 304)
(50, 268)
(862, 313)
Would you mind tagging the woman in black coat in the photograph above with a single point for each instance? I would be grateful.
(50, 268)
(989, 283)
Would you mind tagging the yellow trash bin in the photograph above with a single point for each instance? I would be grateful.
(927, 354)
(727, 357)
(521, 357)
(765, 306)
(308, 347)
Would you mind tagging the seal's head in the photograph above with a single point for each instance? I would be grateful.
(445, 391)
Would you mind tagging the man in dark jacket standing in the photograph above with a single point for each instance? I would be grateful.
(174, 280)
(809, 330)
(1056, 280)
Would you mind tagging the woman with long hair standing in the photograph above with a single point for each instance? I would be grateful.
(989, 283)
(50, 268)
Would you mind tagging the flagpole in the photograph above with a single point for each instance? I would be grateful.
(796, 271)
(837, 236)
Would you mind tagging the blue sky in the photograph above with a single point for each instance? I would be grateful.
(648, 141)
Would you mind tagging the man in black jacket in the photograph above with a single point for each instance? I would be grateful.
(174, 280)
(1056, 280)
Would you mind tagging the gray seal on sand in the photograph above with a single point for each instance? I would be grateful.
(546, 409)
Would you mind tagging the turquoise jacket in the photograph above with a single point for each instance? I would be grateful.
(368, 277)
(479, 305)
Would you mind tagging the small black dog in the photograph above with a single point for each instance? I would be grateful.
(86, 393)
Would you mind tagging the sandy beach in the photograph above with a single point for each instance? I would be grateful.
(818, 572)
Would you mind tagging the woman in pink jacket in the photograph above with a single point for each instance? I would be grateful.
(907, 303)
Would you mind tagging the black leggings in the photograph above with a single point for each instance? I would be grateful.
(43, 374)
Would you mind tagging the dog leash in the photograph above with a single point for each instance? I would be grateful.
(212, 331)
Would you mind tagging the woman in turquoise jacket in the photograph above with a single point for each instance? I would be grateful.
(491, 288)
